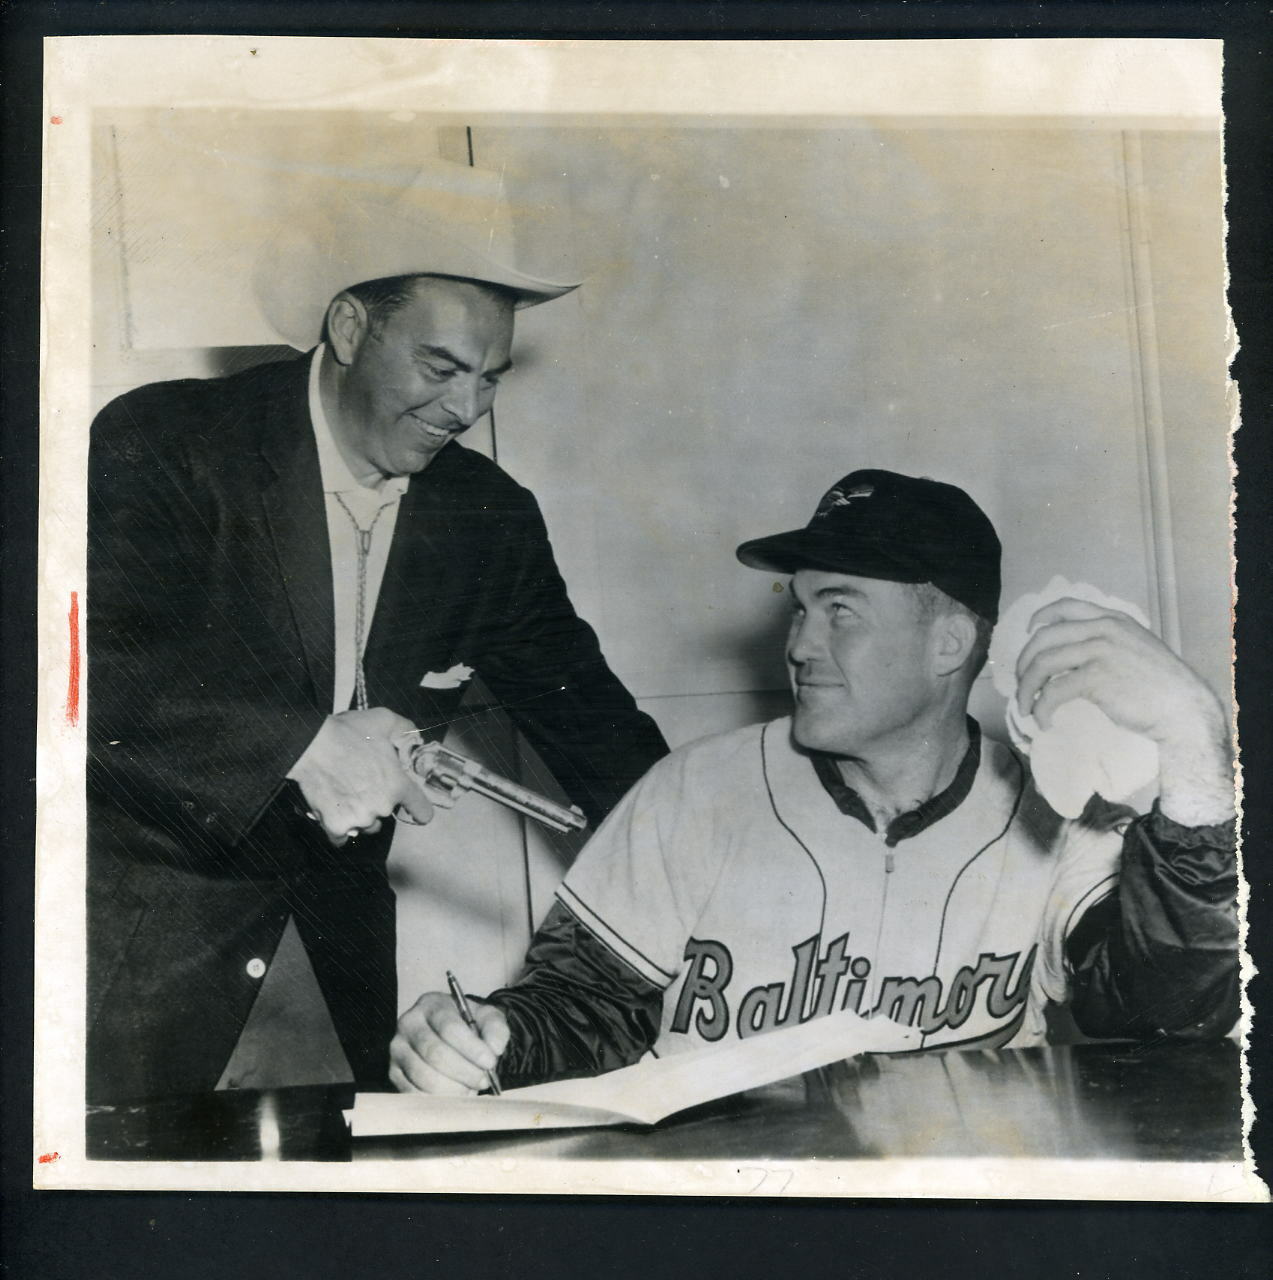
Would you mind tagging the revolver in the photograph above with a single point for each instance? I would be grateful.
(446, 772)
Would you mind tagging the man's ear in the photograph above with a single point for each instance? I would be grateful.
(954, 638)
(347, 327)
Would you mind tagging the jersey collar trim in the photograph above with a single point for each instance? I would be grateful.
(905, 825)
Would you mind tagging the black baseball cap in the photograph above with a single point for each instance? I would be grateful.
(878, 524)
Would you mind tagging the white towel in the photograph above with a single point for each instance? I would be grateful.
(1084, 751)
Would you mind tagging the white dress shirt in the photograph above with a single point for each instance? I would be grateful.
(363, 503)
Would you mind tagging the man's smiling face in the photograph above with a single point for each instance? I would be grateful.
(860, 656)
(423, 375)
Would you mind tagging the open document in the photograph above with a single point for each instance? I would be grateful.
(642, 1094)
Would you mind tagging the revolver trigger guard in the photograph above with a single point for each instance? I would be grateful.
(442, 791)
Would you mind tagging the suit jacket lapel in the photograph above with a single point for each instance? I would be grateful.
(295, 511)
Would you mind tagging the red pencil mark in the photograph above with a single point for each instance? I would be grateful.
(55, 119)
(48, 1157)
(73, 679)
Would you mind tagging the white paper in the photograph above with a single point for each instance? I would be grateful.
(644, 1093)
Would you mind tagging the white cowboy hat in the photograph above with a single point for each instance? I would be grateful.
(451, 220)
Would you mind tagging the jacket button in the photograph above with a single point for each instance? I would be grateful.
(256, 967)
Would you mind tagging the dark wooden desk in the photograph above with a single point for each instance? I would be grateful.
(1144, 1102)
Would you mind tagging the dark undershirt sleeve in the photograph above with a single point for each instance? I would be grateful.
(1159, 955)
(577, 1009)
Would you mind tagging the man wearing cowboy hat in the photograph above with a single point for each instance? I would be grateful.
(292, 569)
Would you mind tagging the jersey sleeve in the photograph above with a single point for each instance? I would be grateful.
(642, 882)
(1086, 876)
(1151, 948)
(590, 997)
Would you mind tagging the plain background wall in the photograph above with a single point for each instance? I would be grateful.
(769, 308)
(1033, 310)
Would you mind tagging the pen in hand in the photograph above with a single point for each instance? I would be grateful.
(462, 1008)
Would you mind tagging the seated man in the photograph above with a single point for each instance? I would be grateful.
(873, 852)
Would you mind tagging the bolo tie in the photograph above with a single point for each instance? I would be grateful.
(360, 610)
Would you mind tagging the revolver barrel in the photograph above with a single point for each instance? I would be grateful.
(452, 771)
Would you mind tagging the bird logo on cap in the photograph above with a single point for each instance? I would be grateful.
(838, 497)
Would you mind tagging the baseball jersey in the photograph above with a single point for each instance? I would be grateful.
(730, 879)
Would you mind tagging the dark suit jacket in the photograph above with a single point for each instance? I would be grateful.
(210, 670)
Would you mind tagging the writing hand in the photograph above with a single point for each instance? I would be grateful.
(434, 1052)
